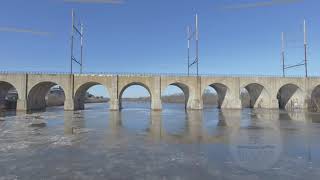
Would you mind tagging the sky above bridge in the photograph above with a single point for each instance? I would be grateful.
(236, 36)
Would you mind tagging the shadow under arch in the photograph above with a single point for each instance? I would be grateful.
(8, 96)
(37, 95)
(257, 93)
(221, 90)
(133, 84)
(80, 95)
(185, 89)
(290, 97)
(314, 104)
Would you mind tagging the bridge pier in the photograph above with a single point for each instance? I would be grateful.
(69, 105)
(230, 103)
(156, 104)
(195, 104)
(114, 104)
(22, 105)
(274, 104)
(195, 101)
(232, 99)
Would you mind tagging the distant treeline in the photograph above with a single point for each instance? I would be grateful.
(56, 98)
(208, 98)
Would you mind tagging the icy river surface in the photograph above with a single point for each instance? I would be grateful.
(137, 143)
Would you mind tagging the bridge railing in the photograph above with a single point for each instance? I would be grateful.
(33, 72)
(146, 74)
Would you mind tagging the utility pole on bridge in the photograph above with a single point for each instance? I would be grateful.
(305, 47)
(283, 54)
(193, 35)
(76, 30)
(301, 63)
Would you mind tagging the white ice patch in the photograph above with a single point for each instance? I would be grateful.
(61, 141)
(80, 130)
(6, 147)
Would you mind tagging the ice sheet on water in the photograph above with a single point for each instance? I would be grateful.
(9, 177)
(6, 147)
(38, 116)
(38, 123)
(18, 135)
(61, 141)
(81, 130)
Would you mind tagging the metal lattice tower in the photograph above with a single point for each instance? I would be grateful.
(193, 35)
(76, 30)
(302, 63)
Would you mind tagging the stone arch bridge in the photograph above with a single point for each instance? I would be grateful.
(264, 92)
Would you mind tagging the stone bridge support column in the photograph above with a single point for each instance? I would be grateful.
(21, 105)
(232, 98)
(114, 94)
(69, 94)
(69, 104)
(22, 93)
(274, 104)
(156, 94)
(114, 104)
(195, 96)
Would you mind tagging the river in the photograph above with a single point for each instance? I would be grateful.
(137, 143)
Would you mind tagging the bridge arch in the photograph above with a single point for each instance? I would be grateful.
(290, 96)
(221, 90)
(314, 104)
(129, 85)
(184, 88)
(8, 96)
(258, 96)
(80, 94)
(37, 95)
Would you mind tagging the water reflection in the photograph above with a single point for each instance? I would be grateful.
(73, 122)
(4, 113)
(189, 127)
(254, 149)
(314, 117)
(155, 130)
(222, 120)
(257, 144)
(115, 123)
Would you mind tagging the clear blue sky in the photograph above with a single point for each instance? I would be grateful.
(149, 36)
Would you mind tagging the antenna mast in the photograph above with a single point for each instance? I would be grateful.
(72, 37)
(283, 54)
(76, 31)
(197, 44)
(193, 35)
(303, 62)
(305, 47)
(81, 58)
(189, 36)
